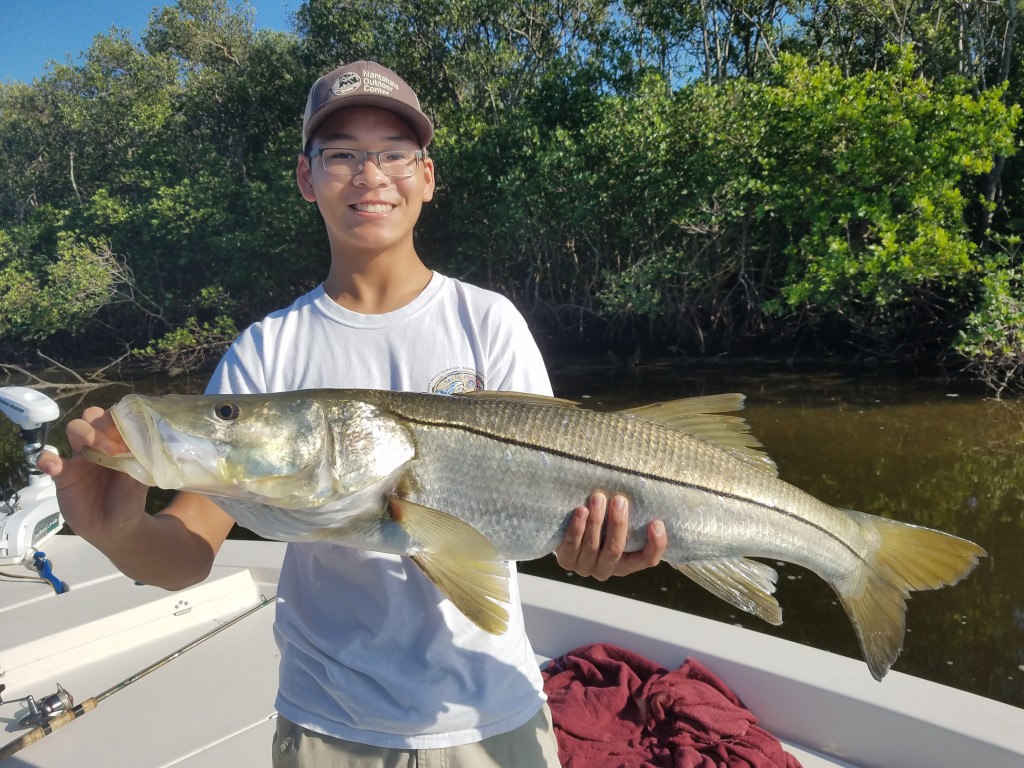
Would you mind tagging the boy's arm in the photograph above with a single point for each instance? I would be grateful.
(172, 549)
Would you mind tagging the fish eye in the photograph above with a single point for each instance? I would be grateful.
(227, 411)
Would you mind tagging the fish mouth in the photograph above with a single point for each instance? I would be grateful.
(162, 454)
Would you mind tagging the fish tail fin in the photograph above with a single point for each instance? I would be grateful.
(908, 558)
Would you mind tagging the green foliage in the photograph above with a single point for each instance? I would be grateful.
(992, 339)
(868, 176)
(178, 156)
(693, 212)
(63, 295)
(689, 176)
(193, 345)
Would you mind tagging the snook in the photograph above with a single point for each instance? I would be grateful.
(462, 484)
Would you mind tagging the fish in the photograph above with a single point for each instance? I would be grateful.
(464, 484)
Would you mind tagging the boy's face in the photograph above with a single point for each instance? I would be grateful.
(370, 212)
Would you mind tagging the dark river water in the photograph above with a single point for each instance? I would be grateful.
(918, 449)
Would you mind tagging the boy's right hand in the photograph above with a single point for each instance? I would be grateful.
(97, 503)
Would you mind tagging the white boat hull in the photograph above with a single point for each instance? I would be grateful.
(213, 706)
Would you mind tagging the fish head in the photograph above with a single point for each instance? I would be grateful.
(258, 447)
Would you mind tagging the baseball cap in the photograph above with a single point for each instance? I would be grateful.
(367, 84)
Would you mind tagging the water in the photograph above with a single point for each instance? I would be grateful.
(915, 449)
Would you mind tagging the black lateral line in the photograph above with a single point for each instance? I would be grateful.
(481, 432)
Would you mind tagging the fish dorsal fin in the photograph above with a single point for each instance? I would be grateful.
(519, 397)
(460, 561)
(701, 417)
(746, 584)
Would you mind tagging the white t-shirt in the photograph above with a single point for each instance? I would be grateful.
(370, 650)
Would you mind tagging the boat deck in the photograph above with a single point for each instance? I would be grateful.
(213, 706)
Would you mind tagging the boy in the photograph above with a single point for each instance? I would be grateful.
(376, 667)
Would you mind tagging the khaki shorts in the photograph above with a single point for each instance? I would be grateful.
(532, 745)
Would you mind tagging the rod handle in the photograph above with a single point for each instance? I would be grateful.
(47, 728)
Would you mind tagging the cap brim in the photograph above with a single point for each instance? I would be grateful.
(420, 124)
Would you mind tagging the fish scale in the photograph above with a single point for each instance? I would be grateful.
(461, 484)
(532, 485)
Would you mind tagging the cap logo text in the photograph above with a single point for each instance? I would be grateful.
(375, 82)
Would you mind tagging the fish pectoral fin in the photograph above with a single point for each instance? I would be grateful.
(475, 588)
(440, 532)
(461, 562)
(746, 584)
(701, 417)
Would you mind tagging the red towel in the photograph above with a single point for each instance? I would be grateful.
(614, 708)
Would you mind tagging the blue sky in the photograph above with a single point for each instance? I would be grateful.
(34, 32)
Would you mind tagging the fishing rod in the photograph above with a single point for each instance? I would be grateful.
(49, 725)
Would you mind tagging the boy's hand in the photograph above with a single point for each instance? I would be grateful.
(96, 502)
(591, 548)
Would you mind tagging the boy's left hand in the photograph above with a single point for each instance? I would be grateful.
(592, 549)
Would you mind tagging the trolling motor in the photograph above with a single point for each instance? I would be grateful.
(30, 516)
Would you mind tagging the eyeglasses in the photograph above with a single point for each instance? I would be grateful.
(396, 163)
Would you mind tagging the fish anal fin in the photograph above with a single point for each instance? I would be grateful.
(907, 558)
(746, 584)
(460, 560)
(701, 417)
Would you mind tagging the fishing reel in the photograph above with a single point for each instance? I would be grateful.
(42, 711)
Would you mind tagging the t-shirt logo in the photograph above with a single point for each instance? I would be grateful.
(455, 381)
